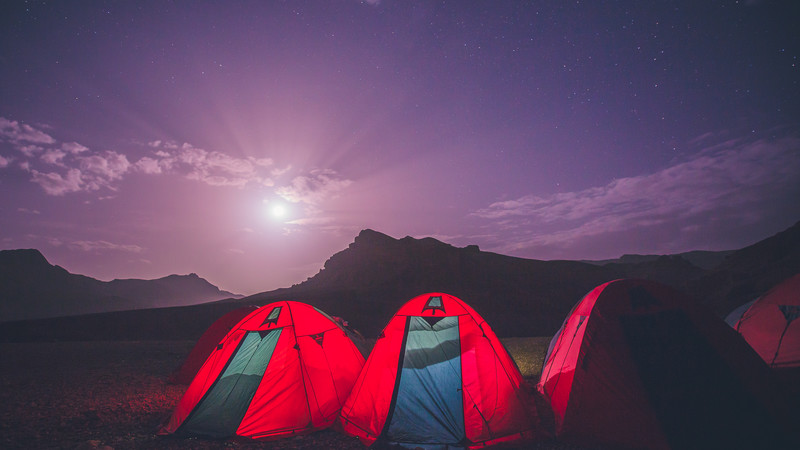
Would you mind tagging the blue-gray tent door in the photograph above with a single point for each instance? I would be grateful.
(428, 405)
(221, 410)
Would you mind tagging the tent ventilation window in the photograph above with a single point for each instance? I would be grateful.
(272, 318)
(790, 312)
(434, 303)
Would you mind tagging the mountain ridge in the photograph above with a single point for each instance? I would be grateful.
(366, 282)
(32, 288)
(705, 259)
(376, 274)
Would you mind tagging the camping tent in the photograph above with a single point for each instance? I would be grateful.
(207, 343)
(283, 370)
(438, 376)
(733, 317)
(769, 325)
(637, 364)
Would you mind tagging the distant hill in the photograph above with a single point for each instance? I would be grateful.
(31, 287)
(749, 272)
(701, 258)
(370, 279)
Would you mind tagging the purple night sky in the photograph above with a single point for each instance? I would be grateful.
(248, 141)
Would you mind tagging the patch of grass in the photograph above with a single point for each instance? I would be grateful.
(528, 353)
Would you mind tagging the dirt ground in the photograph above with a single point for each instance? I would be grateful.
(109, 395)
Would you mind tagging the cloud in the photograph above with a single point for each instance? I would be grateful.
(102, 170)
(55, 184)
(106, 167)
(278, 172)
(94, 246)
(210, 167)
(74, 148)
(14, 131)
(30, 150)
(54, 241)
(66, 167)
(93, 172)
(734, 184)
(315, 221)
(263, 162)
(53, 156)
(314, 188)
(148, 165)
(28, 211)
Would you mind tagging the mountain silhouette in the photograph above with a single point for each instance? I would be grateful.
(369, 280)
(31, 287)
(376, 274)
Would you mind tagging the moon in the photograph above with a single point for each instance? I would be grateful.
(278, 211)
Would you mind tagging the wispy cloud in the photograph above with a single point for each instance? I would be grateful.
(55, 184)
(67, 167)
(30, 150)
(94, 246)
(53, 156)
(100, 170)
(736, 183)
(92, 173)
(210, 167)
(314, 188)
(148, 165)
(20, 132)
(74, 148)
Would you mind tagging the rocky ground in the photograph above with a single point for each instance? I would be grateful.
(104, 395)
(108, 395)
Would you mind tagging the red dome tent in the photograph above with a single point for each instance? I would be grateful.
(771, 327)
(285, 369)
(207, 343)
(636, 364)
(438, 376)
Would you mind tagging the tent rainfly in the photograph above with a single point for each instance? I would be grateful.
(636, 364)
(438, 377)
(283, 370)
(770, 324)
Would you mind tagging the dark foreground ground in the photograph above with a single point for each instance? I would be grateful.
(113, 395)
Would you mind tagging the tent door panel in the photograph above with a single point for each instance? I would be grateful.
(429, 400)
(221, 410)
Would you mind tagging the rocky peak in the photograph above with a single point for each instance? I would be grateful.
(27, 257)
(372, 238)
(374, 258)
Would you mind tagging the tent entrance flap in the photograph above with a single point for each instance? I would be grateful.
(429, 406)
(219, 413)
